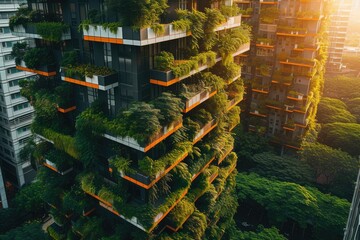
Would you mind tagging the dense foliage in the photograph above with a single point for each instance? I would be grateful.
(333, 110)
(345, 136)
(333, 168)
(305, 205)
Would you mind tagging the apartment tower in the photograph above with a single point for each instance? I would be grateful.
(15, 111)
(284, 68)
(135, 103)
(338, 26)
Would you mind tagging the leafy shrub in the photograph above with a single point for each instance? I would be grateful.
(51, 31)
(164, 61)
(37, 57)
(70, 58)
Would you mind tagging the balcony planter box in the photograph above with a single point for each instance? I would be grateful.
(205, 130)
(29, 31)
(54, 167)
(129, 36)
(103, 83)
(230, 23)
(198, 99)
(47, 71)
(98, 33)
(164, 78)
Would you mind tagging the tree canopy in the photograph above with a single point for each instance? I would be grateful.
(261, 233)
(334, 110)
(26, 232)
(345, 136)
(354, 107)
(305, 205)
(342, 87)
(334, 168)
(282, 168)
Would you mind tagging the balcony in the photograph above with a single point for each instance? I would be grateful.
(55, 168)
(277, 105)
(205, 130)
(154, 214)
(227, 151)
(31, 31)
(66, 109)
(129, 36)
(268, 2)
(246, 13)
(180, 214)
(46, 71)
(291, 31)
(146, 181)
(231, 22)
(309, 16)
(102, 82)
(153, 141)
(256, 112)
(180, 69)
(267, 27)
(293, 95)
(198, 99)
(299, 62)
(144, 36)
(260, 88)
(289, 126)
(233, 102)
(195, 175)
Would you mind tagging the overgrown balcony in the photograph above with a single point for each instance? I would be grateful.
(298, 72)
(39, 25)
(265, 27)
(169, 71)
(144, 125)
(289, 125)
(282, 77)
(111, 33)
(269, 14)
(258, 110)
(274, 104)
(205, 129)
(96, 77)
(265, 42)
(235, 92)
(36, 60)
(228, 146)
(148, 171)
(58, 161)
(247, 12)
(308, 15)
(49, 31)
(299, 62)
(260, 88)
(198, 89)
(198, 99)
(143, 216)
(44, 70)
(232, 118)
(291, 31)
(114, 32)
(150, 142)
(296, 96)
(200, 164)
(180, 214)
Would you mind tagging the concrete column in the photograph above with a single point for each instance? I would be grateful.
(2, 192)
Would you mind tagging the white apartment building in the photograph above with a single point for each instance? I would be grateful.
(15, 111)
(339, 21)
